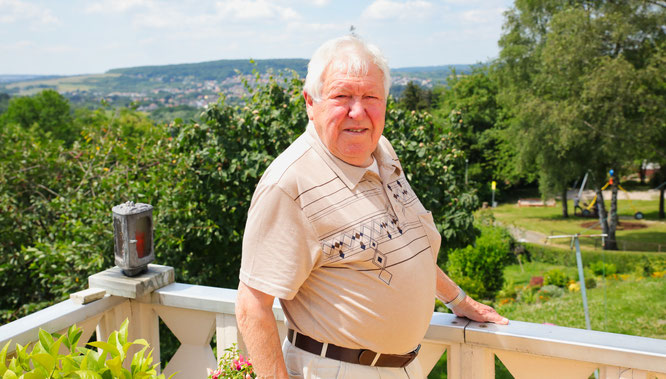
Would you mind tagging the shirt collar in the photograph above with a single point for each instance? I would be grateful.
(351, 175)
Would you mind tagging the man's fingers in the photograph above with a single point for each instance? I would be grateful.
(481, 313)
(496, 318)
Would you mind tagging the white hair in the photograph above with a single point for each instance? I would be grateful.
(350, 53)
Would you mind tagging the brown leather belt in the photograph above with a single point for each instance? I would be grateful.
(357, 356)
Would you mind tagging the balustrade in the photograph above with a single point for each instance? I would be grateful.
(195, 313)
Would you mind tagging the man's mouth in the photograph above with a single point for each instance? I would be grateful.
(359, 130)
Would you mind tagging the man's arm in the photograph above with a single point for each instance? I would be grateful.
(254, 312)
(447, 290)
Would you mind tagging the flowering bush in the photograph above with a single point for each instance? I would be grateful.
(232, 365)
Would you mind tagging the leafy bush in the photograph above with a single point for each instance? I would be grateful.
(46, 114)
(508, 291)
(603, 269)
(45, 361)
(550, 291)
(478, 269)
(625, 261)
(527, 295)
(556, 277)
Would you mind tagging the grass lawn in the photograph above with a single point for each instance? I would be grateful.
(632, 306)
(628, 306)
(549, 221)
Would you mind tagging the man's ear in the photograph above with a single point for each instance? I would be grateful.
(309, 102)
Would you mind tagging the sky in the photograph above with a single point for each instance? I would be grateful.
(71, 37)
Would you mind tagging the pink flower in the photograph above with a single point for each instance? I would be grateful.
(215, 374)
(240, 363)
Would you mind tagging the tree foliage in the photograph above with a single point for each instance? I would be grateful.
(578, 78)
(478, 268)
(415, 97)
(489, 151)
(47, 114)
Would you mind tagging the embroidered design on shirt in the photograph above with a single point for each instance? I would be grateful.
(401, 191)
(364, 237)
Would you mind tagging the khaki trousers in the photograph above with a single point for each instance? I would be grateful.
(304, 365)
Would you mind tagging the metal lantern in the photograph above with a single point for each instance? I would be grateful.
(133, 231)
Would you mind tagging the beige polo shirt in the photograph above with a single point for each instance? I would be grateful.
(351, 255)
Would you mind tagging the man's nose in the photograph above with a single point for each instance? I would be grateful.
(356, 109)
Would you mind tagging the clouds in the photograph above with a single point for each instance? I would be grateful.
(255, 10)
(403, 10)
(161, 14)
(115, 6)
(12, 11)
(44, 36)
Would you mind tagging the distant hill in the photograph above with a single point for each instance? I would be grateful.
(24, 78)
(190, 85)
(429, 75)
(458, 67)
(214, 70)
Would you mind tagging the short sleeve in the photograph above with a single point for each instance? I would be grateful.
(279, 247)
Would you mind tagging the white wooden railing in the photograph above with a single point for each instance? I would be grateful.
(195, 313)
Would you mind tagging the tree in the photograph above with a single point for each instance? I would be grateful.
(4, 102)
(473, 98)
(577, 78)
(47, 113)
(415, 98)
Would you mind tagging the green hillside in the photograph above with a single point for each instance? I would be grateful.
(214, 70)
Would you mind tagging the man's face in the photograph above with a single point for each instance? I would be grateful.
(349, 118)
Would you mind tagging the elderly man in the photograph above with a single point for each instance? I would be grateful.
(336, 233)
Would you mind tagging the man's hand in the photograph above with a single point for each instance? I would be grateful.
(470, 308)
(476, 311)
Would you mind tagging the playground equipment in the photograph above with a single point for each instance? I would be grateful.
(589, 210)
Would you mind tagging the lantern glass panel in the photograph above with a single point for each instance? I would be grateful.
(120, 240)
(143, 237)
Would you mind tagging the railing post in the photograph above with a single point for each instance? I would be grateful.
(227, 333)
(143, 320)
(470, 361)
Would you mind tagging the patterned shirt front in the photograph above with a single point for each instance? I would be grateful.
(350, 254)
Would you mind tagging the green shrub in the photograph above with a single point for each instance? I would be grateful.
(508, 291)
(590, 282)
(550, 291)
(45, 361)
(625, 261)
(643, 268)
(603, 269)
(479, 269)
(556, 277)
(527, 295)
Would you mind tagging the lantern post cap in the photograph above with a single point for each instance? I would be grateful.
(114, 282)
(130, 208)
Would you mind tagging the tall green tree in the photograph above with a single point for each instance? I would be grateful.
(47, 114)
(415, 97)
(577, 78)
(473, 98)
